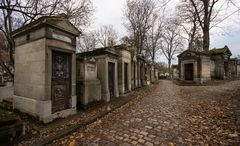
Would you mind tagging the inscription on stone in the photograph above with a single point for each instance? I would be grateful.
(62, 37)
(91, 68)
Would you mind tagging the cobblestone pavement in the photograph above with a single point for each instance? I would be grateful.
(171, 115)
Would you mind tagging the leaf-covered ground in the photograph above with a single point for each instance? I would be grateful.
(168, 115)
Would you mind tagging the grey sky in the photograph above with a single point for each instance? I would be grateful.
(110, 12)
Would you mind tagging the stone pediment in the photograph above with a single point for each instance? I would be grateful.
(64, 24)
(191, 54)
(58, 22)
(188, 54)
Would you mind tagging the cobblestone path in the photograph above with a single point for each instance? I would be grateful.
(171, 115)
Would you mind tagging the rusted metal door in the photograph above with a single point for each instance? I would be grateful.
(126, 76)
(61, 81)
(111, 76)
(188, 71)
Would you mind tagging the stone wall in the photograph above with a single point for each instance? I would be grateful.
(88, 86)
(238, 71)
(212, 68)
(124, 57)
(30, 71)
(33, 68)
(6, 92)
(102, 75)
(206, 69)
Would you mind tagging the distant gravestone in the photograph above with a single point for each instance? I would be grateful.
(45, 68)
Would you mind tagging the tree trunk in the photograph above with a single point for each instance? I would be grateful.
(192, 34)
(153, 56)
(206, 27)
(2, 64)
(206, 39)
(169, 67)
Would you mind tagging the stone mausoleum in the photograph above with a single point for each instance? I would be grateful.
(201, 66)
(45, 68)
(220, 62)
(52, 81)
(107, 71)
(194, 66)
(88, 85)
(124, 68)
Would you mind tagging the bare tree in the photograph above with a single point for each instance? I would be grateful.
(107, 36)
(189, 23)
(78, 12)
(126, 40)
(162, 66)
(138, 15)
(152, 40)
(15, 13)
(207, 11)
(172, 41)
(87, 42)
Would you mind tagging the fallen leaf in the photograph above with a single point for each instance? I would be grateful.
(72, 143)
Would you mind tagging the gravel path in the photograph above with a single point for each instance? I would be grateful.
(170, 115)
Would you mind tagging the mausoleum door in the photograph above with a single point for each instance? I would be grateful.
(189, 71)
(126, 76)
(61, 80)
(134, 74)
(111, 72)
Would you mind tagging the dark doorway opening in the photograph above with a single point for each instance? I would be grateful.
(189, 72)
(126, 76)
(142, 74)
(134, 74)
(61, 81)
(111, 76)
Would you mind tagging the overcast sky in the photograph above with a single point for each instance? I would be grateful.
(110, 12)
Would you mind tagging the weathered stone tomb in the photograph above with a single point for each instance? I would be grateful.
(220, 61)
(107, 71)
(141, 78)
(45, 68)
(124, 68)
(194, 66)
(88, 85)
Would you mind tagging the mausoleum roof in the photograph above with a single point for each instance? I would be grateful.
(196, 52)
(59, 22)
(97, 52)
(223, 50)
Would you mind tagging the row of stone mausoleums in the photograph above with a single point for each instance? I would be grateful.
(111, 72)
(52, 81)
(201, 66)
